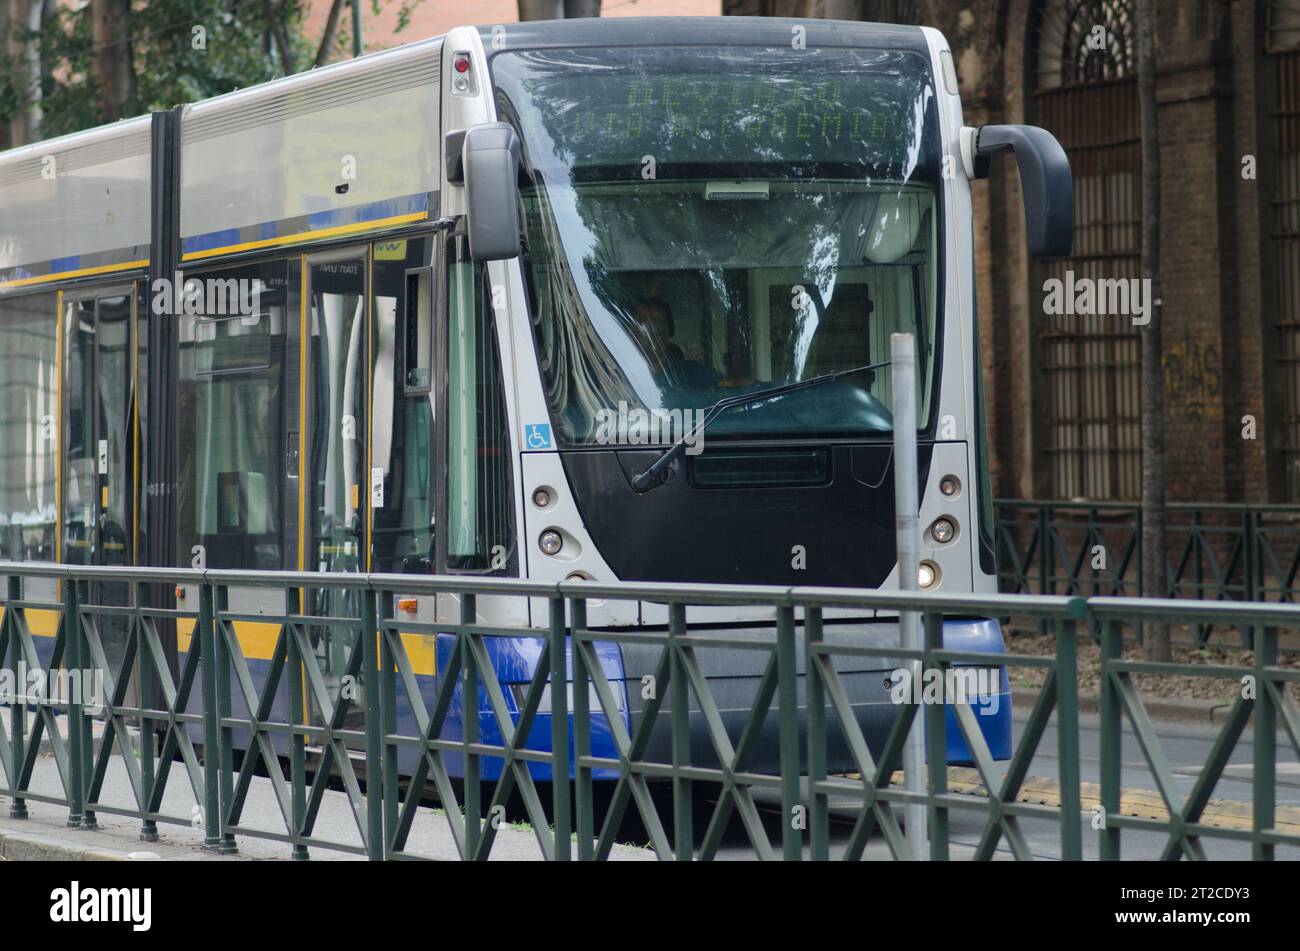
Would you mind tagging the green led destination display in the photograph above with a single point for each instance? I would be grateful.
(717, 106)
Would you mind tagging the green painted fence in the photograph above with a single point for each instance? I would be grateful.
(196, 744)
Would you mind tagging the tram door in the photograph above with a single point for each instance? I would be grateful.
(99, 447)
(337, 494)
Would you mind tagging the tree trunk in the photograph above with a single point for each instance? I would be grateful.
(22, 61)
(541, 9)
(574, 9)
(31, 114)
(1155, 580)
(331, 30)
(281, 39)
(5, 55)
(112, 68)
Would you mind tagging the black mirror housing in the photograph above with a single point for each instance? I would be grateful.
(1045, 181)
(490, 164)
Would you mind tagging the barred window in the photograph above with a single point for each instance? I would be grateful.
(1084, 63)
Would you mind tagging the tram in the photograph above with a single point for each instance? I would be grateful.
(485, 304)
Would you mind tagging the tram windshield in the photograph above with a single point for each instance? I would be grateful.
(704, 222)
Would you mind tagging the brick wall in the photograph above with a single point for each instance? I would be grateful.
(1218, 352)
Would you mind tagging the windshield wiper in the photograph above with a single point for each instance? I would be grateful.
(655, 475)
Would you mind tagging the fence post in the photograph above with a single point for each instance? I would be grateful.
(470, 733)
(902, 352)
(1139, 626)
(583, 793)
(146, 695)
(294, 606)
(375, 840)
(560, 788)
(78, 745)
(788, 732)
(936, 744)
(1265, 740)
(1249, 545)
(212, 814)
(818, 802)
(220, 604)
(680, 724)
(387, 687)
(1044, 550)
(1067, 733)
(18, 710)
(1112, 635)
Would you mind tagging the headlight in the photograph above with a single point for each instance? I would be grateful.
(943, 530)
(550, 542)
(927, 575)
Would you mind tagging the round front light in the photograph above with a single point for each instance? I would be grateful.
(943, 530)
(550, 542)
(950, 485)
(541, 498)
(927, 574)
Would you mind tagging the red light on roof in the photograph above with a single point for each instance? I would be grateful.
(461, 64)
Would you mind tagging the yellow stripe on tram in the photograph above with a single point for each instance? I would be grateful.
(41, 622)
(257, 639)
(71, 275)
(307, 236)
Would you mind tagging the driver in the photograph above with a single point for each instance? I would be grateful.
(666, 360)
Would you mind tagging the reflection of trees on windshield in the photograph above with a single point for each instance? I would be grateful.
(706, 221)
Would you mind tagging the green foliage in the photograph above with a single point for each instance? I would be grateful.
(180, 51)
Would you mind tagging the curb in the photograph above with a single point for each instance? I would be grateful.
(28, 847)
(1160, 708)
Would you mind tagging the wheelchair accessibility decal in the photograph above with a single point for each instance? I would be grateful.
(537, 436)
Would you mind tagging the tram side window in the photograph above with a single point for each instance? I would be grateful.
(480, 503)
(28, 434)
(233, 439)
(402, 405)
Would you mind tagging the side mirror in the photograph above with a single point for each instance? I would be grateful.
(490, 159)
(1045, 181)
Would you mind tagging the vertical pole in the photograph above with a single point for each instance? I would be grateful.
(680, 722)
(297, 718)
(906, 507)
(207, 646)
(358, 42)
(936, 743)
(469, 703)
(1067, 736)
(1112, 634)
(76, 722)
(560, 760)
(388, 707)
(1248, 560)
(583, 791)
(18, 711)
(149, 696)
(374, 726)
(787, 692)
(220, 604)
(161, 408)
(1265, 776)
(818, 802)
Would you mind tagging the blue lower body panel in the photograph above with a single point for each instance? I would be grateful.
(734, 676)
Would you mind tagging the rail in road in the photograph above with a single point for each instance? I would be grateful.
(216, 730)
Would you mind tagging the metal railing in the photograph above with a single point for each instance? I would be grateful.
(1214, 552)
(218, 724)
